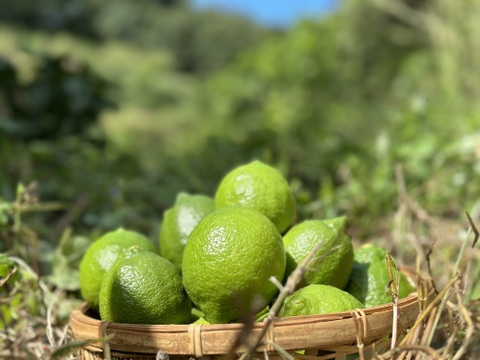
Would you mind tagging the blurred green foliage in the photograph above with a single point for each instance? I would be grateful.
(347, 103)
(337, 104)
(200, 41)
(108, 109)
(62, 98)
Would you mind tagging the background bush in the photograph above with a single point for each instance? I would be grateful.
(151, 98)
(108, 109)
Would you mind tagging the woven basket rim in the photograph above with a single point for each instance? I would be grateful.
(325, 331)
(81, 312)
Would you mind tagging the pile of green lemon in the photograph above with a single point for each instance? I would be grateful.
(217, 257)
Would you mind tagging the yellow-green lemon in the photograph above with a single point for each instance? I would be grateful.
(332, 263)
(178, 223)
(370, 278)
(101, 256)
(228, 260)
(144, 288)
(318, 299)
(259, 186)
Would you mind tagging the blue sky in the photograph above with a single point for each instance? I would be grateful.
(280, 13)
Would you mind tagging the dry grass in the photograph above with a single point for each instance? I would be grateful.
(32, 335)
(444, 251)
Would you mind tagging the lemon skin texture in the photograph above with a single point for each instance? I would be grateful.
(259, 186)
(179, 222)
(370, 278)
(332, 264)
(318, 299)
(227, 263)
(144, 289)
(101, 256)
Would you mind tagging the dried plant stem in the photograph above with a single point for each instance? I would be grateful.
(474, 229)
(53, 302)
(64, 334)
(429, 308)
(44, 207)
(292, 282)
(462, 251)
(361, 329)
(470, 325)
(413, 206)
(280, 350)
(12, 271)
(393, 290)
(429, 328)
(26, 267)
(457, 268)
(407, 355)
(448, 348)
(432, 354)
(394, 323)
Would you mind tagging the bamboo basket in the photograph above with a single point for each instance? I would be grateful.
(328, 336)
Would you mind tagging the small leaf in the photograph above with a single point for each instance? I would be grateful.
(7, 269)
(74, 346)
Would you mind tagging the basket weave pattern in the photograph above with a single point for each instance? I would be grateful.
(329, 336)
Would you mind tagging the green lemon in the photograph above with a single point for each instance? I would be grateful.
(259, 186)
(101, 256)
(369, 279)
(144, 288)
(332, 264)
(318, 299)
(228, 260)
(202, 321)
(179, 221)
